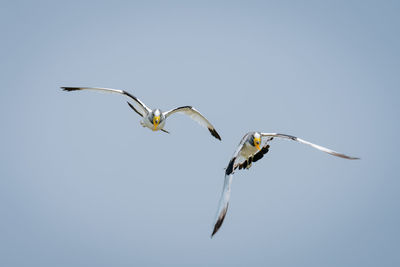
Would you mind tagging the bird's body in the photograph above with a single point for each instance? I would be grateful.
(252, 148)
(247, 150)
(148, 120)
(154, 119)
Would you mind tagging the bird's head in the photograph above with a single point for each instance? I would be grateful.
(256, 140)
(156, 118)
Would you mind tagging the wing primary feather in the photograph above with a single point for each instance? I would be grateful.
(132, 107)
(260, 154)
(195, 115)
(136, 100)
(220, 220)
(214, 133)
(244, 165)
(141, 105)
(324, 149)
(178, 108)
(70, 88)
(223, 204)
(229, 169)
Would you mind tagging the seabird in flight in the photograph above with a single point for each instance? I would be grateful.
(155, 119)
(251, 148)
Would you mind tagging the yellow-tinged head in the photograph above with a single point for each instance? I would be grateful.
(156, 121)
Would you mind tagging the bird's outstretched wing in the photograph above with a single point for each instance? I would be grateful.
(223, 203)
(238, 161)
(294, 138)
(195, 115)
(226, 191)
(142, 109)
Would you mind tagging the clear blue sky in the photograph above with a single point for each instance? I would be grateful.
(83, 184)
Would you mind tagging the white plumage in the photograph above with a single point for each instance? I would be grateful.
(251, 148)
(154, 119)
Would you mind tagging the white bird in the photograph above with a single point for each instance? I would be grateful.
(251, 148)
(155, 119)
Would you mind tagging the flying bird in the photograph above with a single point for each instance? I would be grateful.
(154, 119)
(251, 148)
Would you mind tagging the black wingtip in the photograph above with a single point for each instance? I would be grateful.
(221, 219)
(134, 109)
(70, 88)
(214, 133)
(229, 169)
(351, 158)
(217, 226)
(214, 231)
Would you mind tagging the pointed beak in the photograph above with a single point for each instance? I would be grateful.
(257, 142)
(156, 121)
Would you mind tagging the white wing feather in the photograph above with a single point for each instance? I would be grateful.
(294, 138)
(196, 116)
(223, 203)
(143, 109)
(226, 191)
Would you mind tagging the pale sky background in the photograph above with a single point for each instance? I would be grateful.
(83, 184)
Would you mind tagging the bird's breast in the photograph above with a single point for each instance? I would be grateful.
(248, 150)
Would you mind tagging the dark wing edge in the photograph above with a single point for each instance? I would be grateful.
(137, 100)
(257, 156)
(324, 149)
(70, 88)
(195, 115)
(220, 220)
(226, 191)
(172, 111)
(223, 204)
(145, 109)
(214, 133)
(132, 107)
